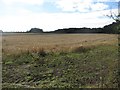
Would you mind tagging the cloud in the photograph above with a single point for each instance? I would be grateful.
(99, 6)
(15, 7)
(22, 18)
(70, 5)
(31, 2)
(53, 21)
(108, 0)
(82, 5)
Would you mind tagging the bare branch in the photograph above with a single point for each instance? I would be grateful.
(114, 16)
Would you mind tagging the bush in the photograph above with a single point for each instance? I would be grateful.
(82, 49)
(42, 53)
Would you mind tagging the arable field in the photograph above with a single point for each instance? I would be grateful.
(15, 43)
(60, 61)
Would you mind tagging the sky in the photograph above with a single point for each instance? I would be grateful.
(50, 15)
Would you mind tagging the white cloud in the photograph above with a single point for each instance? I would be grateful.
(83, 6)
(72, 5)
(108, 0)
(31, 2)
(98, 6)
(53, 21)
(80, 5)
(67, 5)
(16, 7)
(23, 19)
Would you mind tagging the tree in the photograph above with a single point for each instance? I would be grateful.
(115, 27)
(36, 30)
(115, 17)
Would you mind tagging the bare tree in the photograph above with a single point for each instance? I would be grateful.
(114, 16)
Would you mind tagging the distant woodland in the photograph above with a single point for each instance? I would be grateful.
(113, 28)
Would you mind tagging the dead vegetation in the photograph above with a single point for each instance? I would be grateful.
(53, 42)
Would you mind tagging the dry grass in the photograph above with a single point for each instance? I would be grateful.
(17, 43)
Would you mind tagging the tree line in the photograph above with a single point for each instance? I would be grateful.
(113, 28)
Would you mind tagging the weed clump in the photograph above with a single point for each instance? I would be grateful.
(81, 49)
(42, 53)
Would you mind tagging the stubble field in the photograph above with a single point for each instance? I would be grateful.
(54, 42)
(60, 60)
